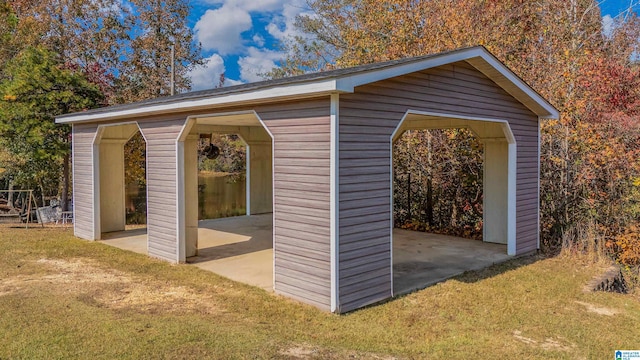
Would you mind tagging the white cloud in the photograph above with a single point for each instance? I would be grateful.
(257, 62)
(251, 5)
(282, 26)
(221, 29)
(258, 40)
(607, 25)
(228, 30)
(208, 75)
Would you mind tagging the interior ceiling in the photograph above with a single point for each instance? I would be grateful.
(248, 119)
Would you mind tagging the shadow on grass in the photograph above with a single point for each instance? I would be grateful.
(469, 277)
(499, 268)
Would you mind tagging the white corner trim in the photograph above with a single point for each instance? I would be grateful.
(247, 181)
(273, 197)
(538, 202)
(511, 199)
(95, 184)
(334, 200)
(73, 175)
(181, 246)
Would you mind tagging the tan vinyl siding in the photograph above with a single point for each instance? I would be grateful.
(82, 153)
(161, 136)
(302, 250)
(368, 117)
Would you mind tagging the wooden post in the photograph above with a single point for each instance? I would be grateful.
(29, 209)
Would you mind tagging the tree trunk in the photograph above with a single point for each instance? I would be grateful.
(430, 201)
(64, 196)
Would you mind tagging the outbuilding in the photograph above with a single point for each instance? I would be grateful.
(319, 159)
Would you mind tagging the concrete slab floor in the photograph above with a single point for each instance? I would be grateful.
(422, 259)
(241, 248)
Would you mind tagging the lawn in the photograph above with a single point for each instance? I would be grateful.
(61, 297)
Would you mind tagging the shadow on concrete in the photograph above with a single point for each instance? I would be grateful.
(124, 234)
(229, 250)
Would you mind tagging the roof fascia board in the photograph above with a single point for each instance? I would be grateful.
(553, 113)
(308, 89)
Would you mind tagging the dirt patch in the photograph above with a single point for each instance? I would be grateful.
(600, 310)
(305, 351)
(557, 343)
(110, 288)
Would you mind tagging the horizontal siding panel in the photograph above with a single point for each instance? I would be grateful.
(365, 297)
(302, 243)
(320, 255)
(364, 251)
(299, 154)
(365, 284)
(347, 282)
(367, 208)
(283, 186)
(369, 170)
(363, 195)
(344, 137)
(295, 293)
(308, 145)
(306, 211)
(314, 285)
(310, 267)
(301, 170)
(363, 162)
(373, 185)
(368, 261)
(285, 234)
(323, 162)
(367, 215)
(365, 243)
(305, 229)
(306, 194)
(347, 230)
(306, 179)
(382, 199)
(359, 179)
(381, 232)
(313, 201)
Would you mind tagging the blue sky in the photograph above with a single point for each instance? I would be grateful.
(241, 37)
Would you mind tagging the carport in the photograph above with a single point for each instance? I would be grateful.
(322, 164)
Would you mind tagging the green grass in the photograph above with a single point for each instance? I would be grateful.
(61, 297)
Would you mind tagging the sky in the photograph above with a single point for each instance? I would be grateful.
(241, 38)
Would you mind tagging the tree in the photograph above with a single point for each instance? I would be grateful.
(157, 26)
(39, 87)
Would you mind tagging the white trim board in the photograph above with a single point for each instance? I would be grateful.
(334, 189)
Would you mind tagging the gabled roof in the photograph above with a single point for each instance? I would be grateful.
(323, 83)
